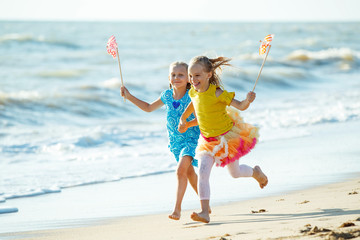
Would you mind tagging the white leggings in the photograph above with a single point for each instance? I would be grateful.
(206, 164)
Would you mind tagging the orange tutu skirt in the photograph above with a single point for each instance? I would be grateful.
(231, 146)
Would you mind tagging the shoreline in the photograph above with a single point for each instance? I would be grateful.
(316, 155)
(314, 213)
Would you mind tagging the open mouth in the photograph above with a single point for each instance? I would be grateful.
(196, 84)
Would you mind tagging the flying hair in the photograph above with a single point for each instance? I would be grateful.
(213, 65)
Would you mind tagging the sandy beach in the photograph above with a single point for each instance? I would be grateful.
(327, 209)
(327, 212)
(75, 158)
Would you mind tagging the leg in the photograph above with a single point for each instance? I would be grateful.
(193, 178)
(206, 164)
(243, 170)
(181, 173)
(237, 170)
(260, 177)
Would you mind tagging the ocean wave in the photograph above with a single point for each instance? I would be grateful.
(88, 141)
(62, 73)
(16, 38)
(274, 77)
(345, 54)
(332, 108)
(8, 210)
(58, 189)
(252, 57)
(29, 38)
(293, 121)
(21, 96)
(111, 83)
(58, 148)
(75, 101)
(32, 192)
(310, 41)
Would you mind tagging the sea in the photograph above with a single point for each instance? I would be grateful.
(64, 125)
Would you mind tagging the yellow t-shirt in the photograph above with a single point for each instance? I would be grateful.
(211, 112)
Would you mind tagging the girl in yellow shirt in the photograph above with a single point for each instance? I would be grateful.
(225, 137)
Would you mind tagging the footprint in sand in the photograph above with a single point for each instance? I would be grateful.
(314, 230)
(347, 224)
(260, 211)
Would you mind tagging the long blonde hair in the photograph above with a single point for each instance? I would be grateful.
(180, 64)
(212, 65)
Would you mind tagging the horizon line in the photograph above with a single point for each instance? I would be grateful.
(182, 21)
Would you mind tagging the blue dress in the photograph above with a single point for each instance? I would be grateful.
(180, 144)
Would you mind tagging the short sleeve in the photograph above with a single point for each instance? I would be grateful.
(163, 96)
(226, 97)
(191, 92)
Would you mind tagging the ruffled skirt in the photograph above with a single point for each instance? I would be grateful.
(231, 146)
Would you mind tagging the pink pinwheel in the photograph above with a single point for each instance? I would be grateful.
(112, 46)
(112, 49)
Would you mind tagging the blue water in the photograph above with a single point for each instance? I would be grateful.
(64, 124)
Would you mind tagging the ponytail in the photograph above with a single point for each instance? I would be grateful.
(213, 65)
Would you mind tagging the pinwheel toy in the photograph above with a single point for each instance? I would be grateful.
(112, 49)
(264, 48)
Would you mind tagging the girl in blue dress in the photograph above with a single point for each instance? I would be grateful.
(182, 145)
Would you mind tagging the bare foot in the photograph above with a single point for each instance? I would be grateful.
(200, 217)
(260, 177)
(175, 216)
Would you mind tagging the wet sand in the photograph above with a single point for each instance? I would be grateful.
(326, 212)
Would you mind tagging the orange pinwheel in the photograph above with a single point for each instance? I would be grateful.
(265, 43)
(263, 47)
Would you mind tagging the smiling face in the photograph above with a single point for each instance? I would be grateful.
(178, 76)
(198, 77)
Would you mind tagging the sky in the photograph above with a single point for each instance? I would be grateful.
(184, 10)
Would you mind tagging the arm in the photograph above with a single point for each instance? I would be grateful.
(183, 124)
(139, 103)
(243, 105)
(192, 123)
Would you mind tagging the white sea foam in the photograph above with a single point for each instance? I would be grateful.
(21, 38)
(57, 148)
(111, 83)
(64, 73)
(20, 96)
(252, 56)
(16, 37)
(33, 193)
(346, 54)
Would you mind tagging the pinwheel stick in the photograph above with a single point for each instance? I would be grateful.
(122, 81)
(117, 54)
(262, 65)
